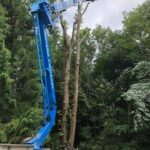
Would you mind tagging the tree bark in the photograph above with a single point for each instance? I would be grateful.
(68, 53)
(73, 119)
(67, 45)
(69, 124)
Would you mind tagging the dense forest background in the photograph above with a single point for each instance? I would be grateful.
(114, 92)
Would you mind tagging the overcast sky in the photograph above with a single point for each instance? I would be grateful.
(104, 12)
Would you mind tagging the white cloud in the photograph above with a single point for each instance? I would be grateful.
(104, 12)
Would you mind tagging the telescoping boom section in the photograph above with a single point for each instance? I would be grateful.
(45, 16)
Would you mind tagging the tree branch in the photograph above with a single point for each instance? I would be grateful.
(64, 27)
(85, 9)
(73, 31)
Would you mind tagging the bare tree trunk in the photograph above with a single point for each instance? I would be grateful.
(76, 85)
(66, 96)
(68, 52)
(73, 118)
(67, 45)
(69, 127)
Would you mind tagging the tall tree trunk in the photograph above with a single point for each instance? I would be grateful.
(66, 82)
(69, 127)
(73, 118)
(76, 84)
(66, 96)
(68, 52)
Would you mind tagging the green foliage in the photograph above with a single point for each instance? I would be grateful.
(7, 99)
(3, 24)
(138, 94)
(114, 106)
(136, 28)
(25, 126)
(5, 80)
(104, 38)
(142, 71)
(116, 99)
(2, 134)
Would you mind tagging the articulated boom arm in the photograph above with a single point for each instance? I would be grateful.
(50, 13)
(46, 15)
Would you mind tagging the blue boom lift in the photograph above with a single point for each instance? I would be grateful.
(45, 15)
